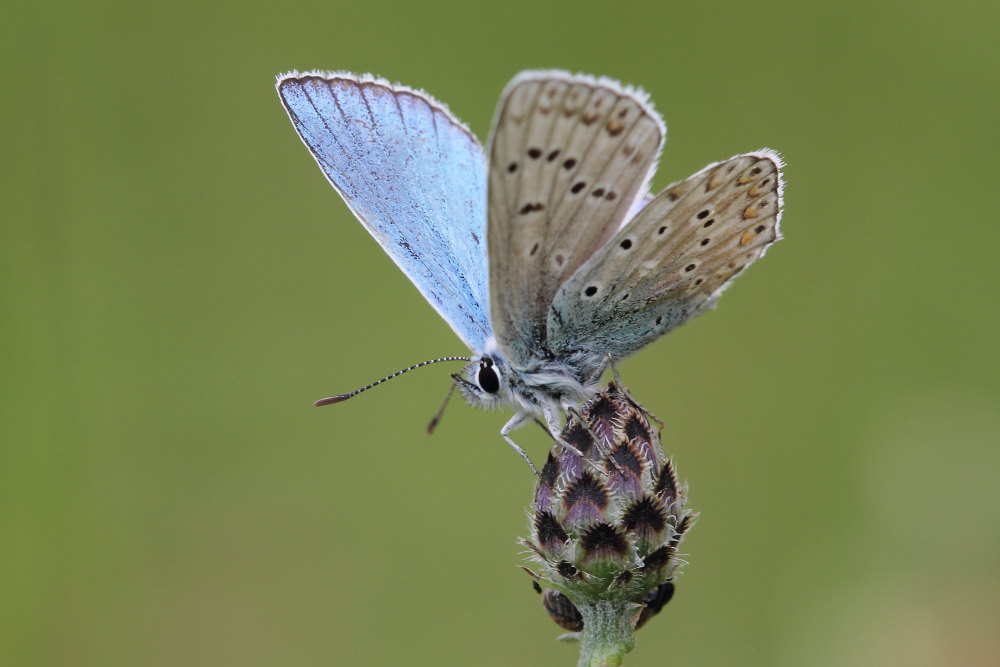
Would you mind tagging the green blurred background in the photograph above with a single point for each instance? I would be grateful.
(178, 283)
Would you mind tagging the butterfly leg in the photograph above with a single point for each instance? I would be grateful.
(552, 421)
(518, 420)
(624, 390)
(545, 428)
(614, 370)
(555, 429)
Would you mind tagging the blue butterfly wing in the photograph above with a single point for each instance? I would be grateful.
(414, 176)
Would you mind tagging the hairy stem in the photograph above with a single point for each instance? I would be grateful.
(607, 633)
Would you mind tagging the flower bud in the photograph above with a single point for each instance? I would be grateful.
(608, 516)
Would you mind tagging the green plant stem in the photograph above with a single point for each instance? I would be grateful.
(607, 633)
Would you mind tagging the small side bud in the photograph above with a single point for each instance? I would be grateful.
(562, 611)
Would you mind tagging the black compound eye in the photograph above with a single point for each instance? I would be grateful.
(489, 381)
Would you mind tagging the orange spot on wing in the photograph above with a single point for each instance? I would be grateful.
(615, 127)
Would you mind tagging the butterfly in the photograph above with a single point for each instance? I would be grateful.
(547, 254)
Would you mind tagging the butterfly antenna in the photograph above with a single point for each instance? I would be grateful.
(343, 397)
(437, 416)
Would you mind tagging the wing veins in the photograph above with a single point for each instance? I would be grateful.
(326, 172)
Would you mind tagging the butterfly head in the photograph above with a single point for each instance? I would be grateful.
(485, 382)
(490, 381)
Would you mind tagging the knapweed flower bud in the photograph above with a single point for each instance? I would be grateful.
(607, 518)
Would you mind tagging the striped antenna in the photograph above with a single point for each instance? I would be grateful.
(343, 397)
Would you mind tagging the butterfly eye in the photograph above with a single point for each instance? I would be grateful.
(488, 379)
